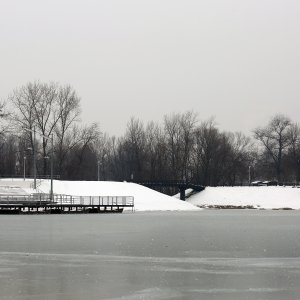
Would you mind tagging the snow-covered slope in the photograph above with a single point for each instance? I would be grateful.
(16, 182)
(259, 197)
(145, 199)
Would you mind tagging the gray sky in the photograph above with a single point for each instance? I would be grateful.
(237, 60)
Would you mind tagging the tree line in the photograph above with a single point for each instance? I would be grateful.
(181, 147)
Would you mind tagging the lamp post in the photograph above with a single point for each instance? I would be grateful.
(98, 170)
(249, 175)
(24, 165)
(51, 167)
(34, 158)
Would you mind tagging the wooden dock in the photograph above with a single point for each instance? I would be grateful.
(63, 204)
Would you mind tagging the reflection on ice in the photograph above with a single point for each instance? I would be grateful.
(150, 294)
(232, 291)
(261, 262)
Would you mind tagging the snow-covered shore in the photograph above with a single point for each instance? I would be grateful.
(145, 199)
(263, 197)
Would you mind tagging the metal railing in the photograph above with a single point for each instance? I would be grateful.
(68, 199)
(94, 200)
(24, 199)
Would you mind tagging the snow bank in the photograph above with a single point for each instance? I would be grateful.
(145, 199)
(259, 197)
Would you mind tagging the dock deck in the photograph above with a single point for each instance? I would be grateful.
(42, 204)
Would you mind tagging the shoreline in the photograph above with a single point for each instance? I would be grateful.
(204, 206)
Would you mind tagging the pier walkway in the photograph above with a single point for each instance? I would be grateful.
(41, 203)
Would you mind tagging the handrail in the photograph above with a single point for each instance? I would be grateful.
(94, 200)
(69, 199)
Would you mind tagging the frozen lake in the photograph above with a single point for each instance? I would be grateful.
(228, 254)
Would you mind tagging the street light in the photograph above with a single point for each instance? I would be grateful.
(98, 170)
(24, 163)
(51, 166)
(34, 158)
(249, 175)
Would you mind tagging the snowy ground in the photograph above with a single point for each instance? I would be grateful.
(263, 197)
(145, 199)
(11, 190)
(15, 186)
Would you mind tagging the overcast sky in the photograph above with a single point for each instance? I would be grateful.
(237, 60)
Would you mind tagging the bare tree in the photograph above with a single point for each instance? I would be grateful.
(134, 146)
(188, 121)
(179, 131)
(275, 138)
(294, 150)
(102, 151)
(4, 118)
(207, 142)
(66, 128)
(9, 163)
(178, 149)
(155, 152)
(36, 108)
(173, 142)
(49, 109)
(239, 159)
(81, 159)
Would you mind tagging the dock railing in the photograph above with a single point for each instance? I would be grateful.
(24, 199)
(62, 199)
(94, 200)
